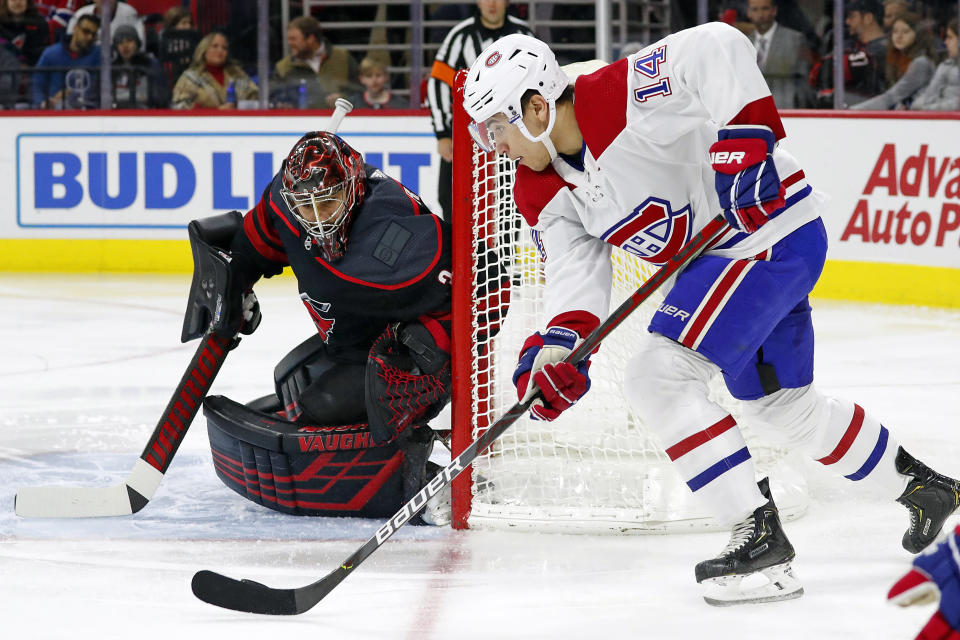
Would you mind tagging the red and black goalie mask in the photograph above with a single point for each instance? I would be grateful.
(323, 184)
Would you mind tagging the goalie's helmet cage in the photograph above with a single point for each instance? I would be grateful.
(322, 167)
(500, 76)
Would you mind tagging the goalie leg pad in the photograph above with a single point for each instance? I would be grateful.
(303, 469)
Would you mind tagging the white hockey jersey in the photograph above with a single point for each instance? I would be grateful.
(646, 183)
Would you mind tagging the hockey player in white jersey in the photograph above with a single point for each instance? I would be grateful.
(641, 154)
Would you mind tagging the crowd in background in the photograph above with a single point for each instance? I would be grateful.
(897, 54)
(184, 54)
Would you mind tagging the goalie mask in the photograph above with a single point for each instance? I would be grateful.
(496, 82)
(323, 183)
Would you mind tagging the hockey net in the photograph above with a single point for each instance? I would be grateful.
(596, 468)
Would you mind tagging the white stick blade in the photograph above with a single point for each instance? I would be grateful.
(73, 502)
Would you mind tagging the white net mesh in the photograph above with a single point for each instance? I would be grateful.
(597, 467)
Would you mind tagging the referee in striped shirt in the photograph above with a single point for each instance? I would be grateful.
(460, 48)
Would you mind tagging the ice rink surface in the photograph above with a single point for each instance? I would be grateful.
(87, 364)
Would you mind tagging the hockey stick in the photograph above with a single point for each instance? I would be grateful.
(135, 492)
(253, 597)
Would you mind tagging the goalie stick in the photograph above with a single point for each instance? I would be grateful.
(138, 488)
(253, 597)
(135, 492)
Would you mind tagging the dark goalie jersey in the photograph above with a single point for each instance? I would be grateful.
(396, 266)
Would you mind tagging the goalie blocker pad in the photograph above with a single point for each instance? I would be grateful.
(302, 469)
(215, 297)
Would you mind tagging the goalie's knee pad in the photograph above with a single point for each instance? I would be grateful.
(303, 469)
(312, 386)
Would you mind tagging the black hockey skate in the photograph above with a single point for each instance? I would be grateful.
(758, 547)
(930, 497)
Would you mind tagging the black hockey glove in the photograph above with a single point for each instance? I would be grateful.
(407, 380)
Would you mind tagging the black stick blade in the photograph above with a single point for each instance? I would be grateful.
(244, 595)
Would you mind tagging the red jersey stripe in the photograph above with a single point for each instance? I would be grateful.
(853, 429)
(690, 443)
(705, 313)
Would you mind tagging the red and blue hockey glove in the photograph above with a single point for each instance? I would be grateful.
(746, 178)
(935, 574)
(560, 383)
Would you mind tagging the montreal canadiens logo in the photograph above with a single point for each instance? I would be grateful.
(653, 231)
(493, 59)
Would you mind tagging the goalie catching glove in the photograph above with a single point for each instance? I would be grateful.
(935, 576)
(746, 178)
(560, 383)
(407, 379)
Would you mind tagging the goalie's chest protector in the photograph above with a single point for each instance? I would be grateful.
(396, 266)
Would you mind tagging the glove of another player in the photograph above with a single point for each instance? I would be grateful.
(935, 574)
(746, 178)
(560, 383)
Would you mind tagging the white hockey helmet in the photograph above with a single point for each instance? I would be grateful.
(497, 80)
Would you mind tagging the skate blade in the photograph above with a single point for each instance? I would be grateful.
(772, 584)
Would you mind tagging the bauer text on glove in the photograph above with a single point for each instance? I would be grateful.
(560, 383)
(746, 178)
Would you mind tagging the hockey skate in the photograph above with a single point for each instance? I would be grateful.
(755, 565)
(930, 497)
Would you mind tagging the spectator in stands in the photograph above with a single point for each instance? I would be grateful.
(10, 78)
(376, 82)
(138, 79)
(177, 41)
(23, 30)
(121, 13)
(943, 92)
(782, 56)
(207, 82)
(327, 72)
(893, 9)
(866, 61)
(76, 88)
(910, 64)
(459, 49)
(177, 17)
(57, 13)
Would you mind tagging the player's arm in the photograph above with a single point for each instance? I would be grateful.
(718, 64)
(577, 294)
(258, 244)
